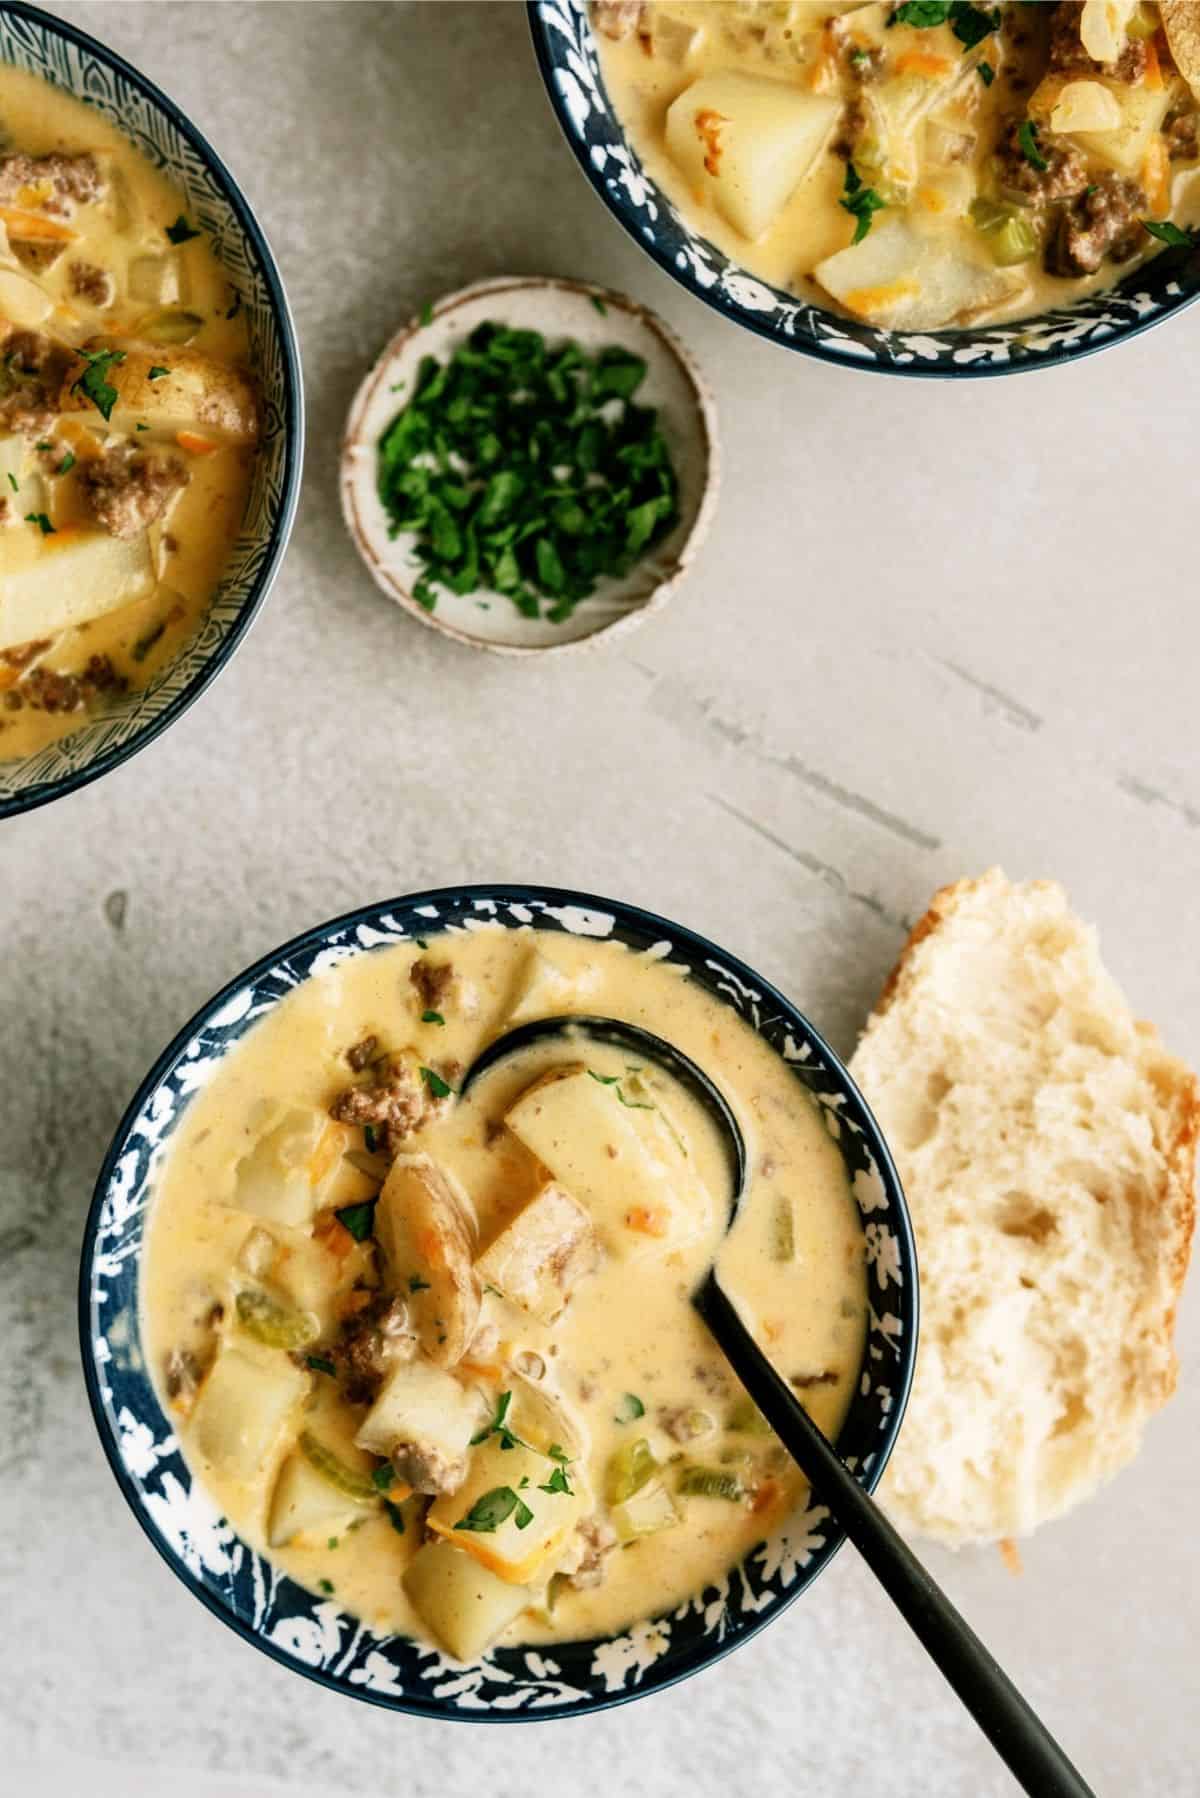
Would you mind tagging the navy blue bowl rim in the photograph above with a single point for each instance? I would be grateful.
(47, 790)
(874, 365)
(702, 1655)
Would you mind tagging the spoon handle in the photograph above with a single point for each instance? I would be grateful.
(1013, 1729)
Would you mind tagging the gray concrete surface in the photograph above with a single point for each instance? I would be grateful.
(934, 628)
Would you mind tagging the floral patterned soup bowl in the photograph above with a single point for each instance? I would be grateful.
(41, 45)
(567, 56)
(311, 1634)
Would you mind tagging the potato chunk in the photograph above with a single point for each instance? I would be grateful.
(286, 1173)
(196, 393)
(498, 1534)
(423, 1421)
(615, 1158)
(745, 143)
(1142, 111)
(424, 1226)
(242, 1409)
(304, 1503)
(461, 1602)
(904, 281)
(537, 1258)
(50, 583)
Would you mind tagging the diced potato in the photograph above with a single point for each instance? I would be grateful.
(537, 1258)
(541, 1416)
(746, 143)
(50, 583)
(286, 1173)
(196, 394)
(459, 1601)
(1086, 106)
(1143, 110)
(304, 1503)
(242, 1409)
(613, 1157)
(904, 281)
(673, 37)
(23, 302)
(155, 280)
(1104, 26)
(543, 989)
(514, 1554)
(427, 1408)
(311, 1271)
(424, 1226)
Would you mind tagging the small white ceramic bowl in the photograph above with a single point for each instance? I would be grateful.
(593, 317)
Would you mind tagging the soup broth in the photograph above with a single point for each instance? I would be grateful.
(435, 1353)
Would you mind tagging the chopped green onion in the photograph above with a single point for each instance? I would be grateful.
(630, 1408)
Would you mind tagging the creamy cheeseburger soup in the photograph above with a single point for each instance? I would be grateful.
(128, 420)
(434, 1354)
(924, 164)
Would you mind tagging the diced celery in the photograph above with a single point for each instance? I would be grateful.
(747, 1419)
(279, 1326)
(358, 1486)
(1011, 234)
(647, 1512)
(628, 1470)
(710, 1482)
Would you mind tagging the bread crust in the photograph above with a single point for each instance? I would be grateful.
(1179, 1099)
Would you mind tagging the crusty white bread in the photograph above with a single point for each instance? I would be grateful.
(1046, 1142)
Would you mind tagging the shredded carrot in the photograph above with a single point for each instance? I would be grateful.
(1153, 78)
(333, 1140)
(764, 1497)
(866, 300)
(353, 1303)
(483, 1370)
(708, 130)
(922, 62)
(1156, 177)
(26, 226)
(194, 444)
(648, 1222)
(8, 678)
(398, 1493)
(1010, 1554)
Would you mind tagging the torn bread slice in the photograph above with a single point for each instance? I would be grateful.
(1046, 1143)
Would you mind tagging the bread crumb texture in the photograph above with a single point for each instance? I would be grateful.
(1046, 1142)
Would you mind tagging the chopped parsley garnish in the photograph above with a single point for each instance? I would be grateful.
(986, 73)
(42, 522)
(432, 1017)
(395, 1515)
(861, 202)
(370, 1138)
(498, 1427)
(420, 942)
(527, 468)
(1027, 138)
(604, 1079)
(630, 1408)
(13, 482)
(157, 372)
(320, 1364)
(558, 1482)
(437, 1086)
(332, 1542)
(598, 303)
(94, 384)
(417, 1284)
(358, 1219)
(635, 1104)
(181, 231)
(494, 1508)
(68, 461)
(384, 1478)
(326, 1585)
(45, 444)
(969, 23)
(1166, 232)
(141, 427)
(426, 313)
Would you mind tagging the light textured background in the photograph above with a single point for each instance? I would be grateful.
(935, 627)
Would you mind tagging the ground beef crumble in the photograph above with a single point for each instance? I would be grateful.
(92, 283)
(49, 690)
(31, 380)
(1068, 56)
(1102, 222)
(129, 488)
(72, 179)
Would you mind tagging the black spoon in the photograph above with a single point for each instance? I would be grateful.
(1013, 1729)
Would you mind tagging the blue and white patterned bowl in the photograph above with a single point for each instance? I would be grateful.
(33, 40)
(311, 1634)
(566, 51)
